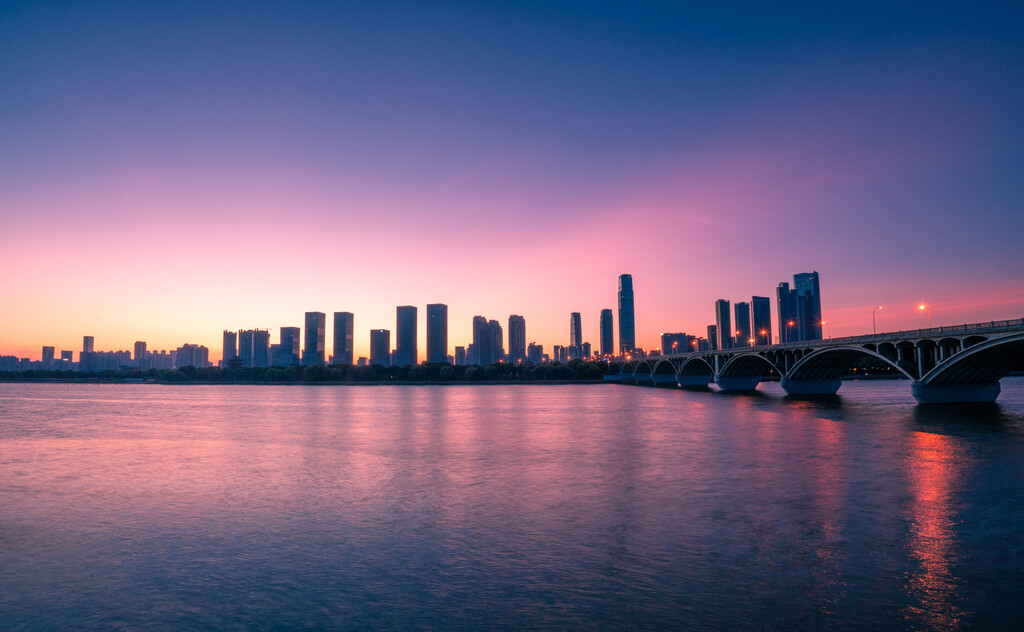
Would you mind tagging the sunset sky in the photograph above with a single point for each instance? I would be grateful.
(167, 172)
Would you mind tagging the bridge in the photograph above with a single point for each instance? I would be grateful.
(962, 363)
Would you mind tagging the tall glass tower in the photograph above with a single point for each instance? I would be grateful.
(575, 335)
(316, 335)
(437, 333)
(607, 333)
(406, 347)
(344, 328)
(627, 327)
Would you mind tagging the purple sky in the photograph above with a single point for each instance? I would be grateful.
(169, 172)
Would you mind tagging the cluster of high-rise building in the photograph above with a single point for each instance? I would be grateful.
(741, 324)
(750, 324)
(92, 361)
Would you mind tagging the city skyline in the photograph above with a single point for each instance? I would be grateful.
(150, 194)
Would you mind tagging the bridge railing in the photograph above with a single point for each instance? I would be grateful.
(993, 326)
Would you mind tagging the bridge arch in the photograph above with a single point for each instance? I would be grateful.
(695, 373)
(973, 374)
(664, 373)
(820, 372)
(743, 372)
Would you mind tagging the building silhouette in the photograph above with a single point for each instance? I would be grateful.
(761, 319)
(286, 353)
(808, 305)
(627, 326)
(437, 333)
(406, 349)
(675, 343)
(712, 338)
(460, 356)
(487, 339)
(575, 335)
(380, 347)
(88, 343)
(607, 333)
(139, 355)
(799, 309)
(229, 348)
(316, 339)
(741, 325)
(192, 355)
(344, 329)
(723, 324)
(517, 339)
(254, 347)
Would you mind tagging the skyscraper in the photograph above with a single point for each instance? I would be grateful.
(48, 353)
(87, 344)
(344, 328)
(140, 354)
(713, 337)
(517, 338)
(288, 350)
(460, 356)
(230, 347)
(808, 305)
(607, 333)
(254, 347)
(245, 347)
(487, 339)
(742, 324)
(786, 309)
(437, 333)
(380, 347)
(316, 339)
(406, 347)
(723, 324)
(761, 319)
(575, 335)
(627, 326)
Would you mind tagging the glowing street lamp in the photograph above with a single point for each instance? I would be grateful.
(789, 337)
(874, 329)
(764, 332)
(824, 324)
(924, 308)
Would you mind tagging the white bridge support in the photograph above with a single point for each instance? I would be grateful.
(954, 393)
(945, 364)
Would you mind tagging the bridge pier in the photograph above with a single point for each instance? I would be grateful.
(694, 381)
(811, 387)
(746, 383)
(954, 393)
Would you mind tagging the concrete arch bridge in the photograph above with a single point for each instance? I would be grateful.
(963, 363)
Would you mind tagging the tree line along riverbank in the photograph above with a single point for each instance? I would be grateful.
(573, 371)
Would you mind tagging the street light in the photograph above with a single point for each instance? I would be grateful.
(764, 332)
(874, 329)
(824, 324)
(924, 308)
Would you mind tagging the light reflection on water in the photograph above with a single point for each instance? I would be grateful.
(506, 507)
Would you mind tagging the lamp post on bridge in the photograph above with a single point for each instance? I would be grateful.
(874, 328)
(924, 308)
(824, 324)
(788, 335)
(764, 332)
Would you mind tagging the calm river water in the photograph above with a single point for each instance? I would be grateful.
(507, 507)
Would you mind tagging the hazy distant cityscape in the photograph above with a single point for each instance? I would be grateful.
(742, 324)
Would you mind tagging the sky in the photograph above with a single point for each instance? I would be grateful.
(171, 170)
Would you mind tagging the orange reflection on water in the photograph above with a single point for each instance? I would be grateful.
(933, 469)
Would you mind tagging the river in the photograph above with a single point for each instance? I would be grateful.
(507, 507)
